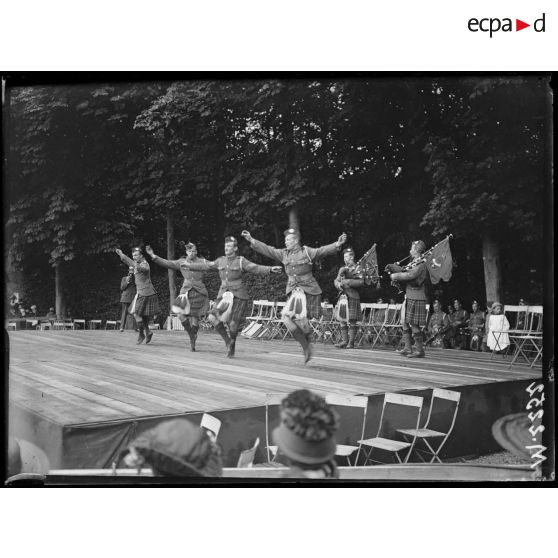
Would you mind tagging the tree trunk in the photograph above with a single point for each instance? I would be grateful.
(278, 235)
(60, 300)
(170, 256)
(492, 269)
(294, 220)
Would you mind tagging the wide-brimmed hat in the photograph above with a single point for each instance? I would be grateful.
(177, 448)
(25, 457)
(304, 451)
(495, 305)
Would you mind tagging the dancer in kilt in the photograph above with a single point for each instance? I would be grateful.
(192, 302)
(305, 294)
(415, 299)
(348, 279)
(146, 302)
(232, 301)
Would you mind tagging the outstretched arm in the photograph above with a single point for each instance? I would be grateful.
(169, 264)
(125, 258)
(262, 248)
(200, 266)
(251, 267)
(328, 249)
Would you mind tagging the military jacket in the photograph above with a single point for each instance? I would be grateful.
(142, 276)
(297, 263)
(415, 280)
(192, 279)
(352, 280)
(231, 269)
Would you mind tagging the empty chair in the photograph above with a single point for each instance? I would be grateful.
(246, 457)
(414, 404)
(358, 401)
(529, 342)
(212, 425)
(111, 324)
(426, 433)
(79, 323)
(271, 399)
(95, 324)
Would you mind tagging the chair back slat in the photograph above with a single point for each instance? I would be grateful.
(400, 399)
(446, 394)
(347, 400)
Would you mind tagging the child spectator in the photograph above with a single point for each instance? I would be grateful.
(497, 338)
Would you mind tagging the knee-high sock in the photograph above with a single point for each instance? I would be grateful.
(145, 320)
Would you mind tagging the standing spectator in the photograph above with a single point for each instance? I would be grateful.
(520, 318)
(306, 435)
(456, 332)
(175, 448)
(438, 324)
(497, 338)
(127, 294)
(475, 326)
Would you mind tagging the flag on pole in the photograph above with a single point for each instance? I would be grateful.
(439, 262)
(368, 266)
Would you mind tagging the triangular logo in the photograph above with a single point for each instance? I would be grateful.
(519, 25)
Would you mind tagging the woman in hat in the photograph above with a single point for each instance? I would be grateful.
(232, 301)
(146, 301)
(348, 280)
(305, 295)
(192, 302)
(127, 294)
(305, 435)
(175, 448)
(497, 326)
(414, 308)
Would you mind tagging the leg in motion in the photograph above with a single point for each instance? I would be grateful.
(141, 335)
(148, 334)
(233, 332)
(407, 339)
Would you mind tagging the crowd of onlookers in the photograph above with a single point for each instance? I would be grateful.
(457, 328)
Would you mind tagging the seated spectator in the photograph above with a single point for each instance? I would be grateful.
(33, 311)
(175, 448)
(306, 435)
(497, 326)
(51, 314)
(22, 312)
(475, 326)
(438, 324)
(456, 331)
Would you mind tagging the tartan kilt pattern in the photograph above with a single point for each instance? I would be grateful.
(313, 306)
(199, 303)
(415, 312)
(239, 310)
(354, 308)
(147, 305)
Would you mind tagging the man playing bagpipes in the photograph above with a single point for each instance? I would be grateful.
(414, 309)
(347, 310)
(433, 265)
(232, 300)
(191, 304)
(305, 298)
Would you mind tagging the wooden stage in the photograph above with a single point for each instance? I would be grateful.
(73, 379)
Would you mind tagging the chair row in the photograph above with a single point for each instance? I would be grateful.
(408, 437)
(43, 324)
(521, 336)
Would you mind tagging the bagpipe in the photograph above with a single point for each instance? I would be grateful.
(366, 268)
(436, 269)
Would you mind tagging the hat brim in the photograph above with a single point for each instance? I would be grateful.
(303, 451)
(33, 458)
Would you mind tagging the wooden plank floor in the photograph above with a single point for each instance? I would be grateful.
(76, 377)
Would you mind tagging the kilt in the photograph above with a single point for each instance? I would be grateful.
(147, 305)
(313, 306)
(354, 308)
(239, 310)
(198, 303)
(415, 312)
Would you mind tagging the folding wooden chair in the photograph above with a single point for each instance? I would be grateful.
(276, 326)
(79, 322)
(425, 433)
(517, 317)
(211, 425)
(388, 444)
(253, 323)
(266, 316)
(364, 325)
(246, 457)
(529, 343)
(58, 325)
(275, 400)
(378, 320)
(358, 401)
(95, 324)
(69, 324)
(111, 324)
(392, 327)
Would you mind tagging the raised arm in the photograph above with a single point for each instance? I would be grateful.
(125, 258)
(169, 264)
(328, 249)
